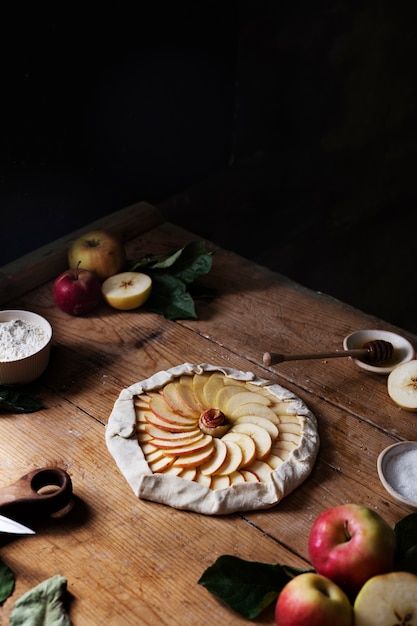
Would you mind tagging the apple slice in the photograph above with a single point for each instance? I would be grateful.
(174, 394)
(260, 421)
(225, 394)
(160, 433)
(262, 470)
(194, 459)
(233, 458)
(185, 446)
(246, 444)
(290, 427)
(127, 290)
(199, 380)
(274, 461)
(188, 473)
(161, 408)
(249, 476)
(245, 397)
(219, 481)
(254, 408)
(402, 385)
(212, 387)
(260, 436)
(386, 600)
(214, 464)
(157, 421)
(202, 479)
(161, 464)
(289, 436)
(172, 471)
(187, 389)
(236, 478)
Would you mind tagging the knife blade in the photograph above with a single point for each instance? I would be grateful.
(12, 527)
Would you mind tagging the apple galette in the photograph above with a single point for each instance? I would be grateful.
(212, 439)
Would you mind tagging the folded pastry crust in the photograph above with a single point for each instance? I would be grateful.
(212, 439)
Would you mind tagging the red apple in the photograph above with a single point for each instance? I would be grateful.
(98, 251)
(349, 544)
(77, 291)
(313, 600)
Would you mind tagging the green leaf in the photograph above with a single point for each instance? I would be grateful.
(170, 298)
(15, 401)
(42, 605)
(247, 587)
(406, 536)
(7, 582)
(172, 275)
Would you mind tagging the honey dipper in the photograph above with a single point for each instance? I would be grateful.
(376, 351)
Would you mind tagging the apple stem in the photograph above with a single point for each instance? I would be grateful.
(346, 529)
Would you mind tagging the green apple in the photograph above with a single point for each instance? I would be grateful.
(99, 251)
(349, 544)
(312, 600)
(387, 600)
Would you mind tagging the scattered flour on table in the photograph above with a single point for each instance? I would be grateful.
(19, 339)
(402, 473)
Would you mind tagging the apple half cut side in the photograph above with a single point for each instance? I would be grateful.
(387, 599)
(127, 290)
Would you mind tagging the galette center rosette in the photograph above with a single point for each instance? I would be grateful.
(212, 439)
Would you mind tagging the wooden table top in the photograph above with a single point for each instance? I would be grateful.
(129, 561)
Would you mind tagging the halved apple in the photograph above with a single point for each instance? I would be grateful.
(402, 385)
(387, 600)
(127, 290)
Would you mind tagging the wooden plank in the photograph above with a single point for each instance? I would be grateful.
(35, 268)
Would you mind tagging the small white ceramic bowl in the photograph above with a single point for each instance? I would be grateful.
(403, 350)
(24, 369)
(396, 469)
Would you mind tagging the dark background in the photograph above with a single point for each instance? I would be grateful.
(285, 131)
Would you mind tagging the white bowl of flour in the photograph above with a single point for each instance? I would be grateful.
(397, 466)
(25, 344)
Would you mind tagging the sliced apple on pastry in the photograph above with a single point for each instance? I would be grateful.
(246, 444)
(260, 421)
(214, 464)
(225, 394)
(260, 436)
(245, 397)
(184, 446)
(233, 458)
(155, 420)
(199, 381)
(194, 459)
(254, 408)
(174, 395)
(161, 464)
(211, 388)
(249, 476)
(262, 470)
(161, 408)
(220, 481)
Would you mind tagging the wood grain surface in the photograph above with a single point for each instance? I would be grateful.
(133, 562)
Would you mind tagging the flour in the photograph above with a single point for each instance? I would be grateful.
(19, 339)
